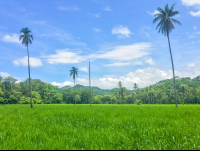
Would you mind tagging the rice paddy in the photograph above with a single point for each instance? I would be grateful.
(129, 127)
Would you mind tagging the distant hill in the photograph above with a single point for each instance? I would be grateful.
(95, 90)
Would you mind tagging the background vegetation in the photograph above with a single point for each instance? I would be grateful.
(44, 93)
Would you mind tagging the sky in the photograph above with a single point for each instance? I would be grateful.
(117, 37)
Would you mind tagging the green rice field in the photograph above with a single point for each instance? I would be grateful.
(128, 127)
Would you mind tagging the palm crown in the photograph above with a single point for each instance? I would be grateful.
(74, 72)
(166, 21)
(26, 37)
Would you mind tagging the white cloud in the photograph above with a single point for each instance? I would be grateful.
(95, 15)
(150, 61)
(4, 74)
(191, 65)
(64, 56)
(107, 8)
(85, 69)
(155, 12)
(195, 27)
(126, 52)
(72, 8)
(122, 32)
(194, 3)
(190, 2)
(195, 14)
(97, 29)
(118, 64)
(11, 38)
(63, 84)
(34, 62)
(18, 81)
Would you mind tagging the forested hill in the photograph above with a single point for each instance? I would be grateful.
(95, 90)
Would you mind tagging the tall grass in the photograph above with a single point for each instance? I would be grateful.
(99, 127)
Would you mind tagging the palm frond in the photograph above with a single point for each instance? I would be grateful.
(161, 11)
(175, 21)
(174, 13)
(171, 9)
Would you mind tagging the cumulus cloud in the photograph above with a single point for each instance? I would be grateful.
(11, 38)
(121, 31)
(4, 74)
(34, 62)
(85, 69)
(195, 4)
(60, 85)
(72, 8)
(97, 29)
(150, 61)
(64, 56)
(153, 13)
(18, 81)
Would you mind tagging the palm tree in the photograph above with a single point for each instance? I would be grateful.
(165, 27)
(135, 86)
(160, 96)
(147, 91)
(183, 89)
(26, 40)
(133, 94)
(168, 93)
(74, 73)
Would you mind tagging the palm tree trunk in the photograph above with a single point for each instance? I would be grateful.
(172, 69)
(75, 94)
(4, 94)
(90, 84)
(29, 78)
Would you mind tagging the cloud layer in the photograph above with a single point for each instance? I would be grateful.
(34, 62)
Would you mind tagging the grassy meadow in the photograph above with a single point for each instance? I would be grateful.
(99, 127)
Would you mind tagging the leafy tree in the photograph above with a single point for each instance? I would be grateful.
(135, 86)
(165, 26)
(26, 40)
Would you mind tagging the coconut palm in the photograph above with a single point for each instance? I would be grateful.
(74, 73)
(168, 93)
(165, 26)
(183, 89)
(26, 40)
(135, 86)
(160, 96)
(133, 94)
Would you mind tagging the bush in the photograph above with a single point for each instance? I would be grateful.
(138, 102)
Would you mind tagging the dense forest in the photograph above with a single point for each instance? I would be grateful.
(13, 92)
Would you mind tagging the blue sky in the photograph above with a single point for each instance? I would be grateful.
(117, 37)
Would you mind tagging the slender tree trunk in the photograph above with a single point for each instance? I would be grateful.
(90, 84)
(4, 94)
(29, 78)
(75, 94)
(172, 69)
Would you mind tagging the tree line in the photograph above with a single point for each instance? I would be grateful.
(13, 92)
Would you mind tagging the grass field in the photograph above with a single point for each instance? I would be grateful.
(99, 127)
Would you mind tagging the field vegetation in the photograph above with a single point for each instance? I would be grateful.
(99, 127)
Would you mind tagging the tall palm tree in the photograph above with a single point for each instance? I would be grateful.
(135, 86)
(165, 26)
(74, 73)
(26, 40)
